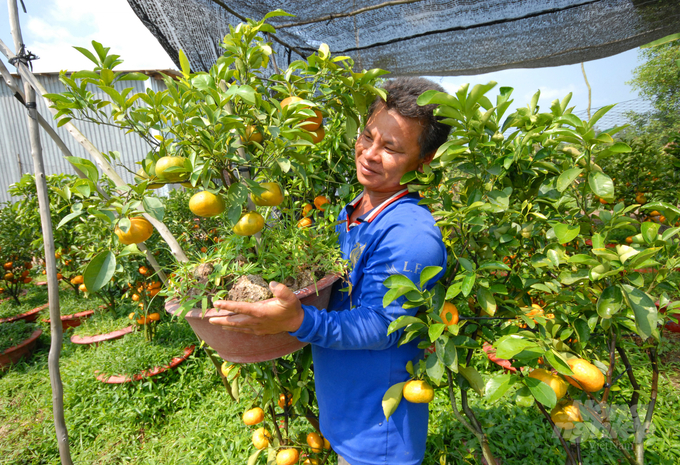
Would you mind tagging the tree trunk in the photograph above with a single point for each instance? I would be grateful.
(50, 261)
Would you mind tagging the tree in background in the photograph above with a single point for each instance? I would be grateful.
(658, 80)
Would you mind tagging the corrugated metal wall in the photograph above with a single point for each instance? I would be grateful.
(15, 149)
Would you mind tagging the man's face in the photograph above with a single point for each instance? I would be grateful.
(386, 150)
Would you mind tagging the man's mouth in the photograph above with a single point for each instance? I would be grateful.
(366, 170)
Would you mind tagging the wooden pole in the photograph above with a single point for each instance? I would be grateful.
(19, 95)
(50, 260)
(99, 159)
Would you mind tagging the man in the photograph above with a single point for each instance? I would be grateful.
(382, 232)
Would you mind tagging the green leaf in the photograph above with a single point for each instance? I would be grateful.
(646, 314)
(184, 64)
(583, 259)
(486, 301)
(510, 345)
(399, 280)
(393, 294)
(86, 166)
(601, 184)
(541, 391)
(447, 354)
(252, 460)
(523, 397)
(466, 264)
(68, 218)
(154, 207)
(610, 302)
(402, 322)
(435, 330)
(649, 231)
(567, 178)
(497, 386)
(474, 378)
(493, 266)
(566, 232)
(428, 273)
(391, 399)
(99, 271)
(468, 282)
(434, 368)
(558, 362)
(643, 256)
(662, 41)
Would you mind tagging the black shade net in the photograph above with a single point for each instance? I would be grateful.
(420, 37)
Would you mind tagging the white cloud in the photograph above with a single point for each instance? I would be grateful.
(52, 31)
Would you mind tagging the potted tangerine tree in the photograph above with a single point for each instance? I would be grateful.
(252, 149)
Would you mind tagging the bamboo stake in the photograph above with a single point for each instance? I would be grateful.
(103, 164)
(50, 260)
(19, 95)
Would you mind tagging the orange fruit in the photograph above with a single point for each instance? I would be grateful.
(164, 163)
(253, 135)
(271, 198)
(141, 176)
(662, 219)
(82, 288)
(141, 320)
(304, 223)
(311, 461)
(555, 382)
(207, 204)
(140, 230)
(143, 270)
(60, 276)
(261, 438)
(318, 135)
(449, 314)
(131, 316)
(326, 444)
(418, 392)
(226, 368)
(25, 273)
(586, 375)
(306, 208)
(320, 201)
(9, 276)
(287, 457)
(282, 400)
(135, 297)
(629, 240)
(57, 254)
(249, 224)
(310, 124)
(27, 280)
(253, 416)
(603, 201)
(153, 292)
(204, 249)
(315, 441)
(154, 316)
(654, 213)
(565, 414)
(155, 285)
(7, 266)
(77, 280)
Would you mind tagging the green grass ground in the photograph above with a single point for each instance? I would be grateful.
(186, 417)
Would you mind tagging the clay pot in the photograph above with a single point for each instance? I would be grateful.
(13, 354)
(99, 338)
(248, 348)
(28, 316)
(120, 379)
(73, 320)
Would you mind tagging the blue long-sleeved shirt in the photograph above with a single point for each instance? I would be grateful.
(355, 361)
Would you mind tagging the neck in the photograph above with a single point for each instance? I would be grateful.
(372, 199)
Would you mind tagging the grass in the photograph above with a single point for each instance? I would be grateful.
(14, 333)
(184, 416)
(35, 296)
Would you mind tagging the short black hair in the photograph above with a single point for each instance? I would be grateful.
(402, 95)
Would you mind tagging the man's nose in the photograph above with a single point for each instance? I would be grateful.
(372, 152)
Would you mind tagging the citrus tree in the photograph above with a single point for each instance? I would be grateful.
(534, 280)
(266, 179)
(16, 253)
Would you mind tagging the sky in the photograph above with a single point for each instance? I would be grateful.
(52, 27)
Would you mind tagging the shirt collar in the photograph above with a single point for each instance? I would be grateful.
(371, 215)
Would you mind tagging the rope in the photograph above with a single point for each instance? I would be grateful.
(24, 57)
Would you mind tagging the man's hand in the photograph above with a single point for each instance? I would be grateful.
(283, 313)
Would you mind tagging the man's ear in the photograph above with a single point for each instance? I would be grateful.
(426, 161)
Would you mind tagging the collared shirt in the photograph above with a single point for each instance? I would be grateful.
(355, 361)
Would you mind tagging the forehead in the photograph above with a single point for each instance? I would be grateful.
(394, 127)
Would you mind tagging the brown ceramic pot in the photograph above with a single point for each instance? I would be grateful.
(248, 348)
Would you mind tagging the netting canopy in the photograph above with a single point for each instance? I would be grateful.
(420, 37)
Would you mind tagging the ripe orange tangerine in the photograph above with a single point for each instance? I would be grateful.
(207, 204)
(250, 223)
(140, 230)
(586, 375)
(315, 441)
(449, 314)
(271, 198)
(304, 223)
(287, 457)
(418, 392)
(253, 416)
(321, 202)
